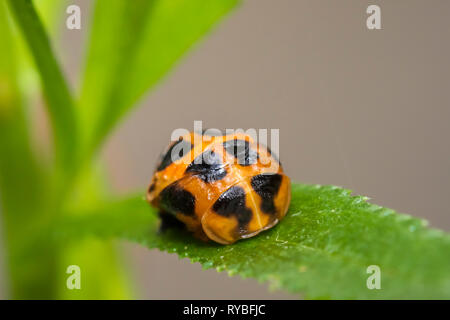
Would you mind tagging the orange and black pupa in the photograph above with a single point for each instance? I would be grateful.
(222, 188)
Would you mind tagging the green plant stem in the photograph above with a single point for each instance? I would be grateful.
(23, 187)
(37, 269)
(59, 104)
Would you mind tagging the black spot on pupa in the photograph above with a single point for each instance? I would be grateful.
(241, 150)
(175, 199)
(267, 187)
(168, 221)
(152, 187)
(208, 167)
(232, 204)
(176, 151)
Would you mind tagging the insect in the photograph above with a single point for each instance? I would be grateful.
(222, 188)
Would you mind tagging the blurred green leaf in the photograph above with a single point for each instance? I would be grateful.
(50, 13)
(28, 77)
(59, 101)
(23, 188)
(132, 45)
(322, 248)
(36, 270)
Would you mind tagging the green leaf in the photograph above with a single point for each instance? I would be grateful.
(321, 249)
(59, 101)
(132, 45)
(19, 169)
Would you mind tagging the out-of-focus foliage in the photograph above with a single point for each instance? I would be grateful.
(60, 105)
(21, 178)
(321, 249)
(132, 45)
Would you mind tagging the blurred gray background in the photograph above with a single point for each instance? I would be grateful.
(364, 109)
